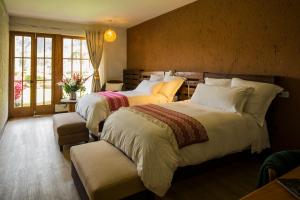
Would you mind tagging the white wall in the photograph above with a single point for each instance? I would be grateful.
(114, 58)
(4, 49)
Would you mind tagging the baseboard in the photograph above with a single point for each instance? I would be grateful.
(3, 128)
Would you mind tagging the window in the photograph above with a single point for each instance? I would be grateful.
(22, 71)
(44, 71)
(76, 59)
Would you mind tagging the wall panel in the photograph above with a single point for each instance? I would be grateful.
(231, 36)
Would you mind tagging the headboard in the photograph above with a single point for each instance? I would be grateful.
(258, 78)
(146, 74)
(188, 87)
(132, 78)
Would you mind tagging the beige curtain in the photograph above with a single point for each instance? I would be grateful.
(94, 40)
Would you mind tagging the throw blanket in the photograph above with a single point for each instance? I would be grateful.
(115, 100)
(186, 129)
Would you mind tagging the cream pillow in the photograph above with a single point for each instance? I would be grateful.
(169, 88)
(171, 78)
(155, 77)
(224, 98)
(149, 87)
(260, 100)
(218, 81)
(113, 86)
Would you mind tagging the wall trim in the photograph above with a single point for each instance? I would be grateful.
(3, 128)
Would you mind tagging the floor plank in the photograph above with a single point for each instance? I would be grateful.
(32, 167)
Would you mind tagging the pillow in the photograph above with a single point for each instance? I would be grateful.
(171, 78)
(260, 100)
(155, 77)
(224, 98)
(218, 81)
(170, 88)
(113, 86)
(149, 87)
(169, 73)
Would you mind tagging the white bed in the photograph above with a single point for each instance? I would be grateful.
(94, 107)
(227, 132)
(222, 110)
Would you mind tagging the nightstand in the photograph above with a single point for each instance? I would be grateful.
(70, 103)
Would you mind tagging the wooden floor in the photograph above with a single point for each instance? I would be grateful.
(32, 167)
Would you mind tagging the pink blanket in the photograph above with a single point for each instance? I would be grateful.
(115, 100)
(186, 129)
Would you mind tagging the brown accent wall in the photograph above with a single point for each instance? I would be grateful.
(231, 36)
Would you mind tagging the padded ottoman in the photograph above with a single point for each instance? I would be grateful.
(70, 128)
(101, 171)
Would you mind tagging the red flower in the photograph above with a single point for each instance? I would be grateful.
(18, 89)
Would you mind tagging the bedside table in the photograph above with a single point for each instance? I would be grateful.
(70, 103)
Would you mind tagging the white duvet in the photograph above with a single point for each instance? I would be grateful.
(94, 107)
(152, 146)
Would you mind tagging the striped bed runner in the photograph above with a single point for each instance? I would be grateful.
(115, 100)
(186, 129)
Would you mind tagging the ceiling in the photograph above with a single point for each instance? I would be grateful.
(122, 13)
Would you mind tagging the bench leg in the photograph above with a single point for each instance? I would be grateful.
(61, 147)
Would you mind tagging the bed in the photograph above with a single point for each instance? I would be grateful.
(94, 108)
(158, 155)
(155, 150)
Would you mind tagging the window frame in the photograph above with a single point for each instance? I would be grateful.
(72, 58)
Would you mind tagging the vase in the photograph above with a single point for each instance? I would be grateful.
(72, 96)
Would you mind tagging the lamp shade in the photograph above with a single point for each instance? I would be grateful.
(110, 35)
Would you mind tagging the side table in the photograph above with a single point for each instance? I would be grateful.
(70, 103)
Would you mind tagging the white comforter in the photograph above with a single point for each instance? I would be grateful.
(94, 107)
(153, 147)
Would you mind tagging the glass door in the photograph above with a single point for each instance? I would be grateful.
(43, 77)
(31, 74)
(21, 75)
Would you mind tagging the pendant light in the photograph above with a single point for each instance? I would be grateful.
(110, 35)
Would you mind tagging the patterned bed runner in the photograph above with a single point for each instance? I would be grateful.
(115, 100)
(187, 130)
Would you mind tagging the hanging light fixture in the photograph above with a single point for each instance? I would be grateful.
(110, 35)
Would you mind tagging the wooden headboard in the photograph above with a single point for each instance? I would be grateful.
(258, 78)
(188, 87)
(132, 78)
(146, 74)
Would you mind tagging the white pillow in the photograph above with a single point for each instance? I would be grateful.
(171, 78)
(260, 100)
(224, 98)
(149, 87)
(155, 77)
(113, 86)
(218, 81)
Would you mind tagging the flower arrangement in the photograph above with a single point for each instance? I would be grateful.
(72, 85)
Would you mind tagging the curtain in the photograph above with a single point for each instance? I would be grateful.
(94, 40)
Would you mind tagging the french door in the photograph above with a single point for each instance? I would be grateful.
(31, 77)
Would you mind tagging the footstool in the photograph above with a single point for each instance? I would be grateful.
(101, 171)
(69, 128)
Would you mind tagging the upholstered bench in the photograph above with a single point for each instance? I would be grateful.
(101, 171)
(70, 128)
